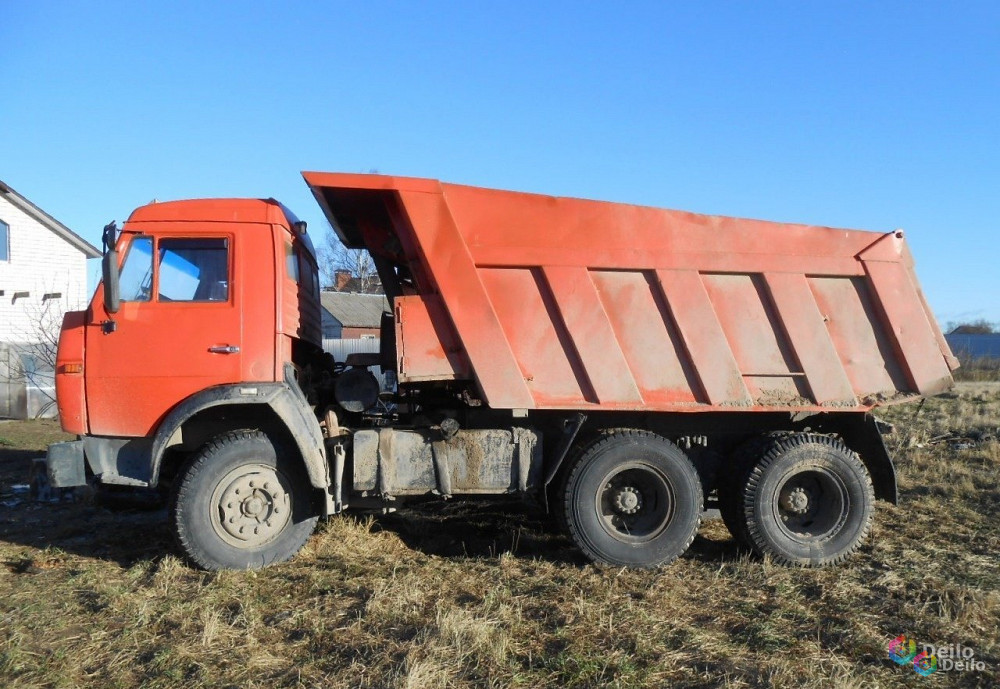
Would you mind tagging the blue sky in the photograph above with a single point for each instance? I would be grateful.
(866, 115)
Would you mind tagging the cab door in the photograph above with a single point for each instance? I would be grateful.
(177, 332)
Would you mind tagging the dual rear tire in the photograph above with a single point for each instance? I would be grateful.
(634, 499)
(803, 499)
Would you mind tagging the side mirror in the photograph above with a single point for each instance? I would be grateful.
(109, 269)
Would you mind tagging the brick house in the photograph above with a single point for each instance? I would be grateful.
(43, 273)
(345, 281)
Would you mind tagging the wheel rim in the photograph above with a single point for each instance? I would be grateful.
(635, 503)
(251, 506)
(811, 505)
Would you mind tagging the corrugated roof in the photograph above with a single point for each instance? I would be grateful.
(355, 310)
(48, 221)
(974, 346)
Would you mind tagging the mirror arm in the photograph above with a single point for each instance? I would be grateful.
(110, 236)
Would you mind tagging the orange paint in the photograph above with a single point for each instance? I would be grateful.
(162, 351)
(565, 303)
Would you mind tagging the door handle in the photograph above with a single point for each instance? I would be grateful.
(224, 349)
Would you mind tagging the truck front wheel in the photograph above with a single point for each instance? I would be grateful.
(236, 505)
(633, 499)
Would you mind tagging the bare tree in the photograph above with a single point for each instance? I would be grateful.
(342, 268)
(978, 327)
(43, 341)
(346, 269)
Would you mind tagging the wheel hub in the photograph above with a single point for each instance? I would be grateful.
(628, 500)
(795, 501)
(252, 506)
(635, 502)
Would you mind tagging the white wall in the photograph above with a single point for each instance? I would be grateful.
(39, 262)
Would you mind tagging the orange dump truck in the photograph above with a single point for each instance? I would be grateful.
(621, 366)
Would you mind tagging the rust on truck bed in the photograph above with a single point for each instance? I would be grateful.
(561, 303)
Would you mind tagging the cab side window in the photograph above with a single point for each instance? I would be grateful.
(291, 262)
(301, 268)
(309, 274)
(193, 270)
(136, 277)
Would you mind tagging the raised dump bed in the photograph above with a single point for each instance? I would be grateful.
(561, 303)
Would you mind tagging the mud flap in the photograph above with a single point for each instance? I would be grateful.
(65, 465)
(62, 467)
(863, 436)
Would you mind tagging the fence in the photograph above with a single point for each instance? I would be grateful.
(340, 348)
(27, 389)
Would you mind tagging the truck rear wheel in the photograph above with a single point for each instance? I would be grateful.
(808, 501)
(633, 499)
(236, 505)
(731, 483)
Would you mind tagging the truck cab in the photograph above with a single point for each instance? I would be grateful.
(210, 293)
(212, 314)
(220, 300)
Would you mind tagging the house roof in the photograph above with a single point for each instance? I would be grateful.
(48, 221)
(355, 310)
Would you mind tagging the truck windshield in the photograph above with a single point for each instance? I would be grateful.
(136, 281)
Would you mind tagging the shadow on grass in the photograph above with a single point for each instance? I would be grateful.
(488, 529)
(114, 527)
(715, 551)
(481, 529)
(127, 527)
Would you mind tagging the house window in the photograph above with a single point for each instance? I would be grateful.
(4, 241)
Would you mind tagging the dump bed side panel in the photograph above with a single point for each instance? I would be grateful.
(566, 303)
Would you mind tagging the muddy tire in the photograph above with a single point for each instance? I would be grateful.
(808, 501)
(633, 499)
(732, 482)
(236, 505)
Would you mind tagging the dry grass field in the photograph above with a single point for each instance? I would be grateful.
(490, 597)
